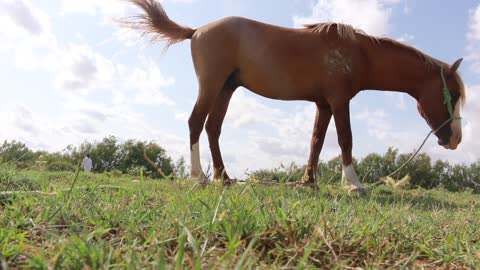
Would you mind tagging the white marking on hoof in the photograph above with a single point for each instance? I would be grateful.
(196, 171)
(350, 180)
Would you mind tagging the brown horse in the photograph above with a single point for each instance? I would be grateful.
(327, 63)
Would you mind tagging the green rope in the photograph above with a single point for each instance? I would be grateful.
(412, 156)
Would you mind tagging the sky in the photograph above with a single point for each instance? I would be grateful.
(69, 74)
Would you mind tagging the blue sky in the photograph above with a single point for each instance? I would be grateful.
(69, 74)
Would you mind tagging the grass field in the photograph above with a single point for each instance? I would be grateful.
(122, 223)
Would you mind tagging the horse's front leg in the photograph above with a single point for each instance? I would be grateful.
(322, 119)
(341, 115)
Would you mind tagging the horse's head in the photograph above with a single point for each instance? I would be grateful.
(439, 104)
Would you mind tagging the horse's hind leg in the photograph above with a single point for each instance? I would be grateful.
(208, 91)
(214, 128)
(195, 124)
(322, 119)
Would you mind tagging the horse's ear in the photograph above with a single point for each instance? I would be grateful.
(453, 68)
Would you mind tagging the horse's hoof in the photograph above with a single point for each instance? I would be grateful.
(201, 177)
(308, 179)
(225, 181)
(203, 183)
(229, 182)
(311, 185)
(354, 190)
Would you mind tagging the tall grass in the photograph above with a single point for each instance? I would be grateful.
(165, 224)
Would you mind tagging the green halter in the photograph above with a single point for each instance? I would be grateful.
(447, 97)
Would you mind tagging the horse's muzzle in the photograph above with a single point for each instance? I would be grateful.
(451, 144)
(443, 143)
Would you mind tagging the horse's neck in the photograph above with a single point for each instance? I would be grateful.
(393, 68)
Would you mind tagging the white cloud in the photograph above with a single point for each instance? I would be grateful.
(469, 149)
(295, 131)
(372, 16)
(406, 38)
(76, 68)
(78, 71)
(273, 136)
(128, 37)
(25, 33)
(106, 9)
(24, 120)
(82, 120)
(406, 8)
(398, 100)
(244, 110)
(145, 82)
(103, 8)
(474, 33)
(383, 131)
(183, 1)
(182, 117)
(473, 36)
(21, 123)
(22, 15)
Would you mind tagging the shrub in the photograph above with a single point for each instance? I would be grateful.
(11, 180)
(375, 166)
(60, 166)
(282, 174)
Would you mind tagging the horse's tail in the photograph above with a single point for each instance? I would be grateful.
(155, 21)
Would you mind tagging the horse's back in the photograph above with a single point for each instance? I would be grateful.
(273, 61)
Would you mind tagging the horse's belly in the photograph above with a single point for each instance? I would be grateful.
(278, 88)
(275, 77)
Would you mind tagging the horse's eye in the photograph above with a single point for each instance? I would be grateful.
(455, 96)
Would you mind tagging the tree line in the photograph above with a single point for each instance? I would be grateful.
(108, 155)
(424, 172)
(112, 156)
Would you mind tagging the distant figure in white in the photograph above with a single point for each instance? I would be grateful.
(87, 163)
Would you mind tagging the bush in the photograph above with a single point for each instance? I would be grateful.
(10, 180)
(60, 166)
(15, 151)
(116, 173)
(282, 174)
(114, 158)
(375, 166)
(180, 168)
(136, 171)
(108, 155)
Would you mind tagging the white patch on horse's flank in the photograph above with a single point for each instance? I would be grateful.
(196, 166)
(350, 178)
(456, 127)
(336, 61)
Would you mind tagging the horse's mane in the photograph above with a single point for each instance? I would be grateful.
(345, 31)
(349, 32)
